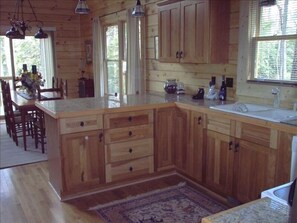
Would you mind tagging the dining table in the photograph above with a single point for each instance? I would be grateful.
(25, 104)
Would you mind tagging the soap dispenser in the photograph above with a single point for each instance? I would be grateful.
(223, 90)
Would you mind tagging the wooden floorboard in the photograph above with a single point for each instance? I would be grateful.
(27, 197)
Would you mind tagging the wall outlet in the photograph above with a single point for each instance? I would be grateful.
(229, 82)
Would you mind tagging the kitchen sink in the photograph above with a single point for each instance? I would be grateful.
(258, 111)
(280, 193)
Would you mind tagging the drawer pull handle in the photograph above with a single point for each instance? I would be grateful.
(82, 124)
(131, 168)
(100, 137)
(82, 178)
(199, 120)
(130, 133)
(236, 147)
(230, 145)
(130, 119)
(130, 150)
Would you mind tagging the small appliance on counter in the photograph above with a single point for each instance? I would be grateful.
(180, 89)
(170, 86)
(199, 95)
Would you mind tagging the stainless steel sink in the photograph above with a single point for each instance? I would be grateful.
(258, 111)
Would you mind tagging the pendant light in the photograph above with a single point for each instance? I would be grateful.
(19, 25)
(82, 7)
(138, 10)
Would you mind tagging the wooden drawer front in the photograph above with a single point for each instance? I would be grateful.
(80, 124)
(133, 168)
(118, 120)
(261, 135)
(218, 124)
(130, 133)
(129, 150)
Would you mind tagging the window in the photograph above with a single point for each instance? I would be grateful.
(14, 53)
(115, 58)
(273, 50)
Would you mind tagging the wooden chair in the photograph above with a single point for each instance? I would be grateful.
(45, 94)
(12, 118)
(39, 129)
(5, 98)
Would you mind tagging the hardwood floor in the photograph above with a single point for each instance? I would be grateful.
(26, 196)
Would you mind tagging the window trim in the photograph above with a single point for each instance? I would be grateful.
(252, 43)
(121, 29)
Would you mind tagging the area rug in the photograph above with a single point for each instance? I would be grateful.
(180, 203)
(12, 155)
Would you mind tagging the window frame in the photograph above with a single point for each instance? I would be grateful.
(14, 72)
(121, 37)
(254, 40)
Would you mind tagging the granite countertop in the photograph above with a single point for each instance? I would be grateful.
(264, 210)
(88, 106)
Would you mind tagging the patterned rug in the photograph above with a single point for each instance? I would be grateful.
(180, 203)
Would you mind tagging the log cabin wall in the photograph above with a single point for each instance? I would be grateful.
(59, 15)
(192, 75)
(73, 30)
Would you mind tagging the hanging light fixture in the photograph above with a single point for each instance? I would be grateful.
(138, 10)
(19, 26)
(82, 7)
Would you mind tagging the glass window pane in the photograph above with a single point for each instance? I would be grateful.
(113, 80)
(276, 60)
(5, 59)
(112, 43)
(26, 51)
(279, 19)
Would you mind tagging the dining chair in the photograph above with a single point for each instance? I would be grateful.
(39, 129)
(45, 94)
(13, 119)
(4, 97)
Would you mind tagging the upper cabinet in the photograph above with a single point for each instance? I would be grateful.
(194, 31)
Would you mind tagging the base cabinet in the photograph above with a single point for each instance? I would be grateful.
(254, 170)
(219, 163)
(164, 132)
(82, 160)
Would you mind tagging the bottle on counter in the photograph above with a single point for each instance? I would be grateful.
(223, 90)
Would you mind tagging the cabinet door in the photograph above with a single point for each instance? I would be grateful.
(164, 129)
(219, 163)
(181, 138)
(82, 160)
(195, 159)
(169, 32)
(194, 44)
(254, 170)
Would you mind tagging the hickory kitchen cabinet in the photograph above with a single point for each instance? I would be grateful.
(129, 144)
(83, 160)
(240, 158)
(82, 153)
(194, 31)
(164, 133)
(179, 136)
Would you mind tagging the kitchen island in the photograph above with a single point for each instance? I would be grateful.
(100, 143)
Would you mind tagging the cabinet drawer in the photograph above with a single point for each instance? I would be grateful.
(80, 124)
(129, 150)
(221, 125)
(130, 169)
(258, 134)
(118, 120)
(130, 133)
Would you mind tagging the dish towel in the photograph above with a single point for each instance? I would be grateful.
(294, 159)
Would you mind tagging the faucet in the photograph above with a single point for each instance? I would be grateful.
(276, 95)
